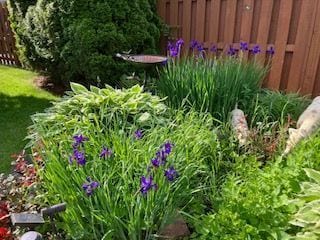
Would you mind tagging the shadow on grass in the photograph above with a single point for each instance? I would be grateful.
(15, 112)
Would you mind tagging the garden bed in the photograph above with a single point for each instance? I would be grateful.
(130, 164)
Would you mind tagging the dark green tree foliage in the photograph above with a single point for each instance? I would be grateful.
(77, 40)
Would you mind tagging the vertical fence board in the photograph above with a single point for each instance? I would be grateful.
(230, 21)
(186, 22)
(264, 26)
(280, 44)
(316, 90)
(200, 20)
(247, 16)
(304, 32)
(313, 58)
(174, 18)
(256, 19)
(214, 20)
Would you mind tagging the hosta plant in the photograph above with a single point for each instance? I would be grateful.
(308, 215)
(107, 108)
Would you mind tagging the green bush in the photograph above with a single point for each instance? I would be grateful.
(117, 209)
(214, 85)
(77, 40)
(254, 200)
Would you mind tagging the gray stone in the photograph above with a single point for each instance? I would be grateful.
(31, 236)
(176, 230)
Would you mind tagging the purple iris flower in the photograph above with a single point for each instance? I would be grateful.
(79, 140)
(174, 52)
(179, 43)
(90, 186)
(194, 44)
(162, 157)
(105, 152)
(147, 184)
(138, 134)
(78, 156)
(231, 51)
(256, 49)
(214, 49)
(168, 147)
(171, 174)
(200, 47)
(271, 51)
(244, 46)
(155, 162)
(162, 154)
(170, 45)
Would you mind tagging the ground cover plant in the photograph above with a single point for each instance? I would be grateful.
(19, 99)
(255, 201)
(213, 84)
(123, 165)
(78, 40)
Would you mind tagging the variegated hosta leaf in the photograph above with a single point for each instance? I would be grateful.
(308, 216)
(313, 174)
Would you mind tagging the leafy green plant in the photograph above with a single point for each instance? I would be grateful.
(104, 173)
(308, 215)
(214, 85)
(254, 202)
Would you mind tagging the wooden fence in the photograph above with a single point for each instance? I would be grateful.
(7, 43)
(291, 26)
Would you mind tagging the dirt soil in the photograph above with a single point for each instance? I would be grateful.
(44, 82)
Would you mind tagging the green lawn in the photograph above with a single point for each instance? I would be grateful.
(19, 99)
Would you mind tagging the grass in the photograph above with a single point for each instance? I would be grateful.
(19, 99)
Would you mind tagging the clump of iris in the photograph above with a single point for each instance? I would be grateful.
(160, 159)
(78, 155)
(231, 51)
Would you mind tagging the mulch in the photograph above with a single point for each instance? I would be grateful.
(44, 83)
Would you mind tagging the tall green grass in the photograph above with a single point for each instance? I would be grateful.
(275, 105)
(214, 85)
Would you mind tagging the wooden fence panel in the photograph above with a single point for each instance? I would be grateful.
(291, 26)
(8, 54)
